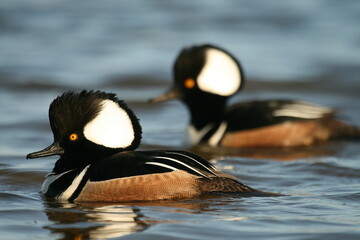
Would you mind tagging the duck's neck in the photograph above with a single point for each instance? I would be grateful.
(206, 111)
(77, 160)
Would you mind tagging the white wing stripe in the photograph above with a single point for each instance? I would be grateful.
(212, 167)
(302, 110)
(162, 165)
(184, 164)
(302, 106)
(295, 113)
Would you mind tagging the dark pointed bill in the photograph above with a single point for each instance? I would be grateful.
(53, 149)
(171, 94)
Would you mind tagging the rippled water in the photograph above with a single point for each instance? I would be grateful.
(308, 50)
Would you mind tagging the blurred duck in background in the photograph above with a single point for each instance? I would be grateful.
(206, 76)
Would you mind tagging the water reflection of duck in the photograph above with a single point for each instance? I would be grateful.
(206, 76)
(96, 134)
(109, 220)
(93, 221)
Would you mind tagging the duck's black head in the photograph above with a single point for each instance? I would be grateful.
(204, 73)
(90, 125)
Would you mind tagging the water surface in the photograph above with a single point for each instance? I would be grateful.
(308, 50)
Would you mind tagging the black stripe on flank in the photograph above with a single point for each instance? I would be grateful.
(57, 187)
(211, 133)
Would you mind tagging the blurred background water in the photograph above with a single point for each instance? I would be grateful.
(307, 50)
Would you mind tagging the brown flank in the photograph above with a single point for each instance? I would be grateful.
(291, 134)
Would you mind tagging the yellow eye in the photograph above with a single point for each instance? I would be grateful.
(73, 137)
(189, 83)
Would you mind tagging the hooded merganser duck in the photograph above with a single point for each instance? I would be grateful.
(96, 134)
(206, 76)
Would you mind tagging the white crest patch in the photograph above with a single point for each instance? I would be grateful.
(112, 127)
(220, 74)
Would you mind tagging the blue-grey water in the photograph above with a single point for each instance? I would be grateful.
(308, 50)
